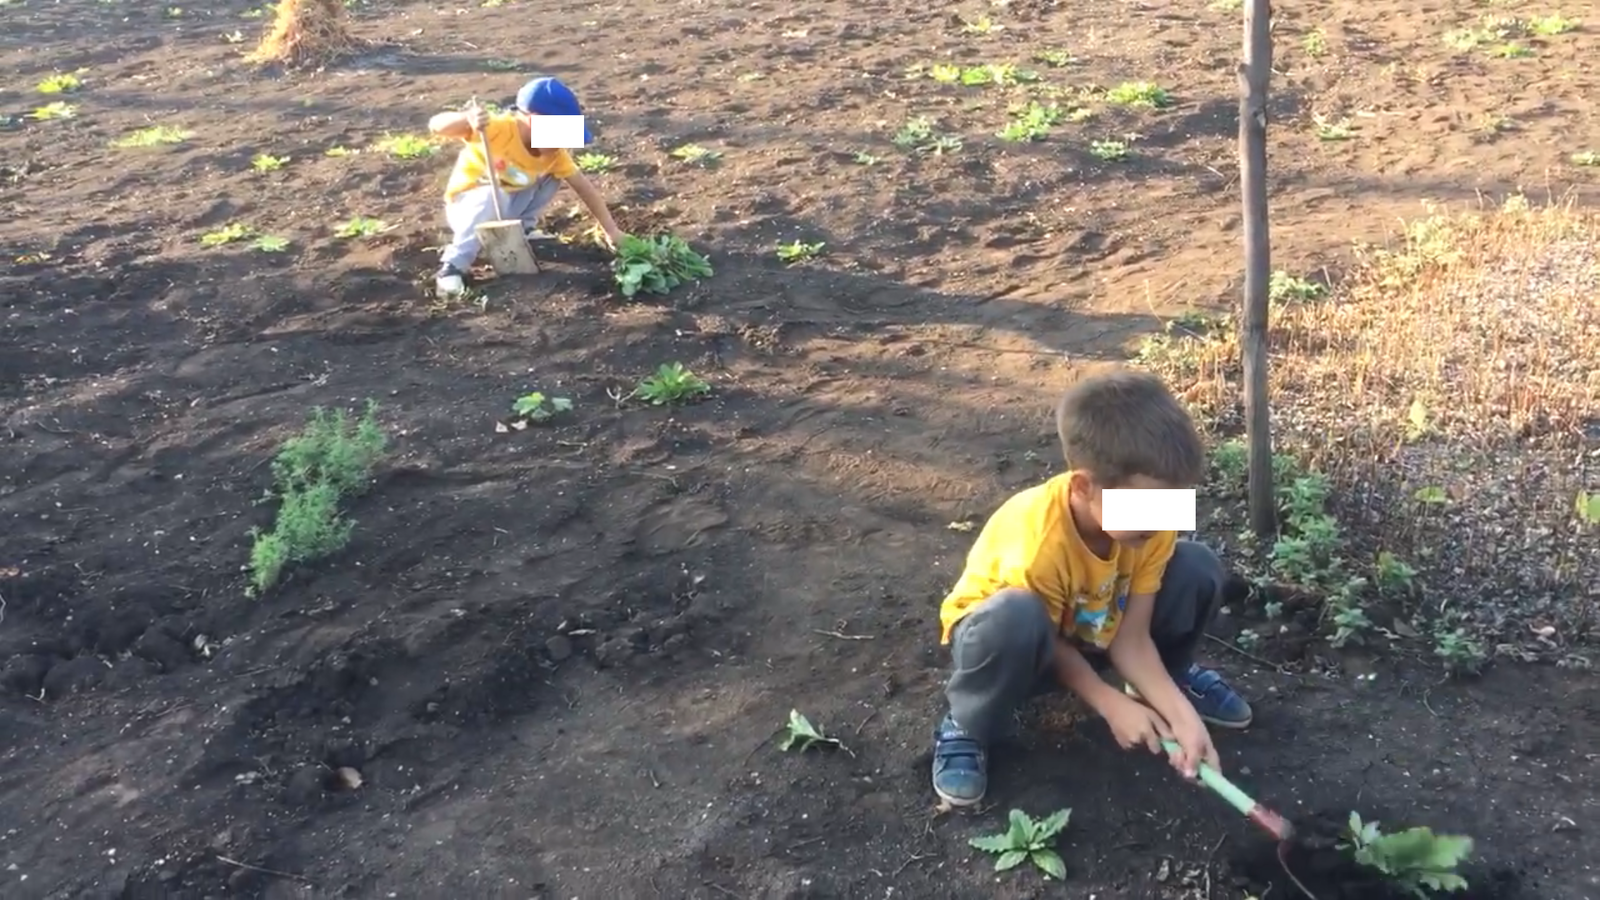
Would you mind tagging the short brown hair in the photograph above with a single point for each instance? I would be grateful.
(1119, 423)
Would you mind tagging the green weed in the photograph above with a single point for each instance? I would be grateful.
(696, 155)
(595, 163)
(406, 146)
(671, 383)
(332, 458)
(799, 251)
(362, 227)
(1145, 94)
(227, 234)
(154, 136)
(62, 83)
(266, 162)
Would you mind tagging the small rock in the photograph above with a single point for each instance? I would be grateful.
(559, 648)
(613, 652)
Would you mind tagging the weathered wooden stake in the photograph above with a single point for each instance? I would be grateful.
(1254, 75)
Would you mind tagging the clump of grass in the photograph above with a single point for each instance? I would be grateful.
(154, 136)
(330, 460)
(921, 135)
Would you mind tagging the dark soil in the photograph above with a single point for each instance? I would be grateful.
(556, 656)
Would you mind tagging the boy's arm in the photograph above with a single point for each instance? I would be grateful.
(452, 124)
(1078, 676)
(1134, 656)
(596, 205)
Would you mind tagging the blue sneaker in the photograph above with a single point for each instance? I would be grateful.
(960, 765)
(1216, 702)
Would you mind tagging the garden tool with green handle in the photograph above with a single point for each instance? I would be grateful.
(1269, 821)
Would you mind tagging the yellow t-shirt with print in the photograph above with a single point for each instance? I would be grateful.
(1031, 542)
(519, 167)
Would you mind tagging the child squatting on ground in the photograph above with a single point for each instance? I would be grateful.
(529, 176)
(1048, 597)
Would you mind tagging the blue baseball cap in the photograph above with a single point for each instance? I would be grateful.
(549, 97)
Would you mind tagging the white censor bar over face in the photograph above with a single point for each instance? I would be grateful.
(1147, 509)
(555, 132)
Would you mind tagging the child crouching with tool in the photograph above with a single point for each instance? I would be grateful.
(1050, 595)
(529, 176)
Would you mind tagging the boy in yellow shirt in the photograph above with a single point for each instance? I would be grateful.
(1048, 596)
(529, 176)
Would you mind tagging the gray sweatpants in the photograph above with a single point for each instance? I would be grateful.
(475, 206)
(1004, 649)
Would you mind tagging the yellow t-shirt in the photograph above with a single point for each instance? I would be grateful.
(519, 167)
(1031, 542)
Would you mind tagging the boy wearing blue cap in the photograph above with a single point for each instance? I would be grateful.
(529, 176)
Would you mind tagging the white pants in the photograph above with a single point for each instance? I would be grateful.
(475, 206)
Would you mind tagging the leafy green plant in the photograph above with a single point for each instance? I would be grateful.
(1394, 574)
(696, 155)
(53, 111)
(671, 383)
(1315, 43)
(800, 735)
(330, 459)
(227, 234)
(337, 151)
(1145, 94)
(1415, 860)
(60, 83)
(1587, 507)
(656, 265)
(1285, 287)
(1027, 840)
(799, 251)
(536, 407)
(268, 243)
(362, 227)
(266, 162)
(1110, 151)
(1055, 59)
(154, 136)
(406, 146)
(595, 163)
(1550, 26)
(1460, 652)
(1031, 123)
(919, 135)
(863, 158)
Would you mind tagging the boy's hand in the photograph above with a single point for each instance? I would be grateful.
(613, 239)
(1194, 747)
(477, 117)
(1132, 723)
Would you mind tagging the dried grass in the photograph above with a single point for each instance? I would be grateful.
(1450, 387)
(306, 34)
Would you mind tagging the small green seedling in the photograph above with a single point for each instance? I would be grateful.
(52, 111)
(406, 146)
(268, 243)
(1055, 59)
(1031, 123)
(799, 734)
(1110, 151)
(266, 162)
(920, 136)
(61, 83)
(1512, 50)
(1550, 26)
(501, 65)
(656, 265)
(154, 136)
(981, 25)
(863, 158)
(1315, 43)
(799, 251)
(340, 151)
(1334, 130)
(1415, 860)
(1144, 94)
(596, 163)
(536, 407)
(696, 155)
(1587, 507)
(362, 227)
(227, 234)
(1284, 287)
(671, 383)
(1432, 495)
(1027, 840)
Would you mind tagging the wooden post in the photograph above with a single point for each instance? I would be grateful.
(1254, 74)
